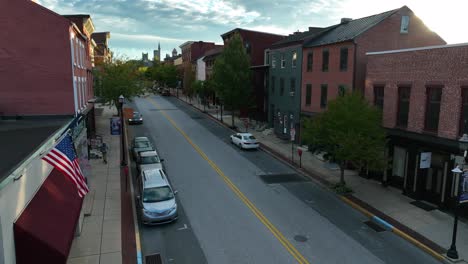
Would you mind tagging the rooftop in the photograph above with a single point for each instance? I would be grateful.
(349, 29)
(154, 178)
(419, 48)
(20, 138)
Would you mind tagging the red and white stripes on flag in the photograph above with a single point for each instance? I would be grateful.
(63, 158)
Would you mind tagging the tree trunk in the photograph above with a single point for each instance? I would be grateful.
(232, 118)
(221, 116)
(342, 167)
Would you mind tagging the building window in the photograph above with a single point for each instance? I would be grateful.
(273, 84)
(248, 47)
(343, 59)
(404, 24)
(341, 90)
(273, 61)
(281, 86)
(294, 59)
(403, 106)
(325, 57)
(310, 60)
(379, 96)
(308, 94)
(434, 95)
(292, 88)
(464, 112)
(323, 95)
(283, 61)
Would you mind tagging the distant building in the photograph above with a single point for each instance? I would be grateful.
(255, 43)
(157, 54)
(170, 59)
(102, 52)
(200, 68)
(145, 60)
(191, 51)
(209, 58)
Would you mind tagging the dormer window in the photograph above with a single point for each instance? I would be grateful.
(404, 25)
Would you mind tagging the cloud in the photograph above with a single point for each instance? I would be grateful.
(144, 38)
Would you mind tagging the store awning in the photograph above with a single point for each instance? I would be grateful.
(45, 230)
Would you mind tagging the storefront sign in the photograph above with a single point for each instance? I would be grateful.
(425, 160)
(115, 125)
(464, 188)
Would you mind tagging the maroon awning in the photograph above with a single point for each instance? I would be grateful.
(45, 230)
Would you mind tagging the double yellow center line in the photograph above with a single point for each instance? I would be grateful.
(281, 238)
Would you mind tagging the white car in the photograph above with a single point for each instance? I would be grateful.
(244, 141)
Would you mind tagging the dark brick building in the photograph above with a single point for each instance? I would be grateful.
(255, 44)
(423, 93)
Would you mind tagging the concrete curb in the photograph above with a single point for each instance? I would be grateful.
(346, 200)
(139, 256)
(395, 230)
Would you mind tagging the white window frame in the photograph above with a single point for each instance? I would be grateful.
(273, 61)
(404, 26)
(294, 59)
(283, 61)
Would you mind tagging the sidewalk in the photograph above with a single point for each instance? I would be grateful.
(432, 228)
(100, 240)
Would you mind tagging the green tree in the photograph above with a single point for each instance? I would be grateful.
(117, 78)
(231, 74)
(165, 74)
(348, 132)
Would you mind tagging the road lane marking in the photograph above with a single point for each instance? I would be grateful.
(279, 236)
(182, 228)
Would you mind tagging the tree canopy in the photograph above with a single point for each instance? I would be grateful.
(117, 78)
(348, 132)
(165, 74)
(231, 74)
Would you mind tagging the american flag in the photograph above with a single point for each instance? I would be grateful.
(63, 158)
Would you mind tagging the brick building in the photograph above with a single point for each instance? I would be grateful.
(255, 44)
(335, 61)
(47, 86)
(102, 53)
(191, 51)
(423, 93)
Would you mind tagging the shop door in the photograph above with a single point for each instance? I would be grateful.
(432, 180)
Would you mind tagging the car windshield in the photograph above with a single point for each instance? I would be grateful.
(149, 160)
(142, 144)
(157, 194)
(249, 137)
(136, 116)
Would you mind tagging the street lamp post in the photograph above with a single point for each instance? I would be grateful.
(463, 145)
(123, 162)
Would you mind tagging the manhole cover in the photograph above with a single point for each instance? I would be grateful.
(279, 178)
(300, 238)
(374, 226)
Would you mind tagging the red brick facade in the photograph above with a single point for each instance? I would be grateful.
(333, 78)
(39, 62)
(419, 69)
(382, 36)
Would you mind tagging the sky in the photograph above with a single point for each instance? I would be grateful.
(137, 26)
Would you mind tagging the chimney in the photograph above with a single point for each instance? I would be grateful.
(346, 20)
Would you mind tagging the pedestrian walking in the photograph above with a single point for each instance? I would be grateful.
(104, 149)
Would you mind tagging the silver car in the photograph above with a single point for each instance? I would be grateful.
(140, 144)
(148, 160)
(157, 199)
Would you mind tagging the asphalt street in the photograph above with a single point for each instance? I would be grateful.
(248, 207)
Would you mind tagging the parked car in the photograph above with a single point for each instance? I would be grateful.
(166, 92)
(244, 141)
(140, 144)
(137, 118)
(157, 198)
(148, 160)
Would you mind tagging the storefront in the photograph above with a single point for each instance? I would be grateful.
(421, 166)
